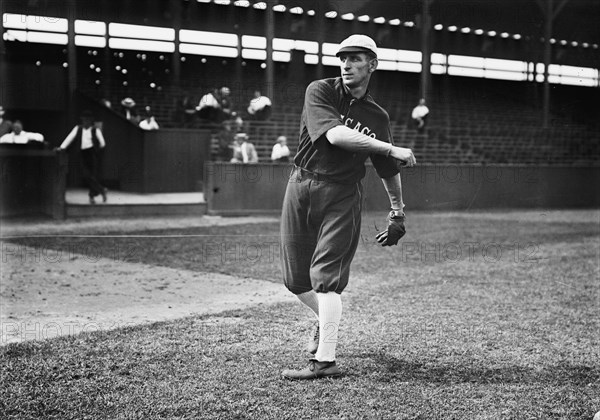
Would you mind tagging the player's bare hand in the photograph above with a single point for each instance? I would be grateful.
(393, 233)
(403, 154)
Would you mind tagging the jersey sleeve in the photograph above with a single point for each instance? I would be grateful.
(385, 166)
(321, 113)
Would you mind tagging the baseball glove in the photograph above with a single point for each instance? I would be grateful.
(394, 231)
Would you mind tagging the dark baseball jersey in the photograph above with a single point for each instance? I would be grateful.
(321, 214)
(327, 104)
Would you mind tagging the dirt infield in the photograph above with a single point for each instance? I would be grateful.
(45, 295)
(475, 315)
(82, 226)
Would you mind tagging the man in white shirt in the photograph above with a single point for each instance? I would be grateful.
(129, 112)
(280, 152)
(149, 123)
(209, 107)
(419, 114)
(260, 106)
(20, 136)
(248, 151)
(90, 142)
(243, 150)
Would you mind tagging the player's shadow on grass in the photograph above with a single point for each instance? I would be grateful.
(468, 371)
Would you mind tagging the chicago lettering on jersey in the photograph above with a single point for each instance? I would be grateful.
(349, 122)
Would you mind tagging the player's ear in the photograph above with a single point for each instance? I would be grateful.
(373, 65)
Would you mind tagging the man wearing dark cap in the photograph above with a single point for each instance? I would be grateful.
(341, 126)
(91, 143)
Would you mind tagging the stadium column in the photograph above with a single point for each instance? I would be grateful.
(550, 14)
(320, 20)
(176, 11)
(270, 70)
(107, 82)
(72, 59)
(547, 56)
(3, 59)
(425, 48)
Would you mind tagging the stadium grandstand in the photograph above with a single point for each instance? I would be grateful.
(507, 82)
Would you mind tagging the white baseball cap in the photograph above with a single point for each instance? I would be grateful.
(358, 43)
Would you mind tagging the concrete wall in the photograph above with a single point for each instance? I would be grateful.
(233, 189)
(32, 182)
(134, 160)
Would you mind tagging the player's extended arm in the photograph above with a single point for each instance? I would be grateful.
(69, 139)
(100, 137)
(353, 141)
(395, 229)
(35, 137)
(393, 186)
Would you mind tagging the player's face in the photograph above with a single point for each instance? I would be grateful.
(87, 122)
(356, 68)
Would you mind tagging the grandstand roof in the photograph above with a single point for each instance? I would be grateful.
(577, 20)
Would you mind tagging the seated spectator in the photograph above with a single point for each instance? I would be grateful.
(236, 151)
(209, 107)
(129, 111)
(225, 138)
(223, 96)
(105, 102)
(419, 115)
(260, 107)
(5, 125)
(215, 106)
(243, 150)
(149, 123)
(239, 124)
(187, 111)
(281, 152)
(20, 136)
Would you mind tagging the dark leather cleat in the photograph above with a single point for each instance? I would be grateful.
(313, 341)
(314, 370)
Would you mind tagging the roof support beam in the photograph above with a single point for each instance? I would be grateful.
(72, 59)
(3, 60)
(176, 12)
(270, 34)
(548, 18)
(320, 29)
(559, 8)
(550, 13)
(425, 22)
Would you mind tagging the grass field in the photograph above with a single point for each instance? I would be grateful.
(473, 316)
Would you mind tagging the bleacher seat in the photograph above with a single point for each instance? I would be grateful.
(465, 126)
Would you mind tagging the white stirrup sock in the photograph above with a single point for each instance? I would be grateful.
(330, 314)
(310, 300)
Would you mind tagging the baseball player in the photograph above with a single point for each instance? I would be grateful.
(341, 126)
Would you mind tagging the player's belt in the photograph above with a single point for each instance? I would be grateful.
(298, 174)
